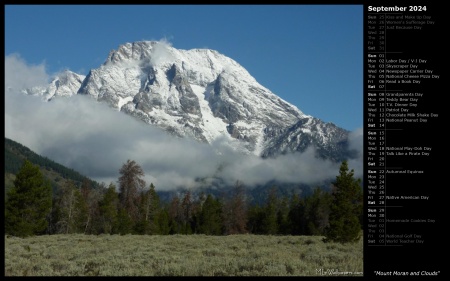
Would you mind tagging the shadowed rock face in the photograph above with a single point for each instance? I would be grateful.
(204, 95)
(188, 100)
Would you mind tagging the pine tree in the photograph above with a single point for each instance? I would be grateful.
(131, 183)
(175, 214)
(123, 225)
(234, 211)
(282, 216)
(109, 209)
(317, 211)
(270, 225)
(154, 209)
(149, 209)
(255, 218)
(210, 217)
(162, 222)
(187, 213)
(29, 203)
(295, 215)
(346, 208)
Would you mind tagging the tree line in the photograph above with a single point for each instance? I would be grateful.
(133, 207)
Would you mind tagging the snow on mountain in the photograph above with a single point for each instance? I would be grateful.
(64, 84)
(201, 94)
(330, 141)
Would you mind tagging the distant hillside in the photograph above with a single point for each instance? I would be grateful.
(16, 153)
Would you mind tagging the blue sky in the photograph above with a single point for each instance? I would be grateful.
(309, 55)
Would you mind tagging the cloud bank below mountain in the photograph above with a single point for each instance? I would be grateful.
(96, 141)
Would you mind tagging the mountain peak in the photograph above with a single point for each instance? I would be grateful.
(202, 94)
(134, 51)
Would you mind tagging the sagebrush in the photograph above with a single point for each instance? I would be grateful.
(180, 255)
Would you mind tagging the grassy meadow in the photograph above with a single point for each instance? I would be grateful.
(180, 255)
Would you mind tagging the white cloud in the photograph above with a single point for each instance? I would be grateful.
(19, 75)
(290, 168)
(356, 143)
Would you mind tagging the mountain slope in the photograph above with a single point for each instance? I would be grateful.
(16, 153)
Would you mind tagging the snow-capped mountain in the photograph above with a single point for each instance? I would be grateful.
(202, 94)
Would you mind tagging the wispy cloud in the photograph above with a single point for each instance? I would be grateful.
(161, 53)
(20, 75)
(96, 140)
(356, 143)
